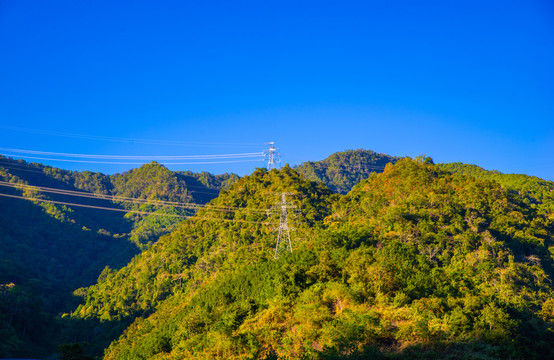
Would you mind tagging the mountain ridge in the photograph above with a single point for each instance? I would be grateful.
(436, 219)
(411, 256)
(342, 170)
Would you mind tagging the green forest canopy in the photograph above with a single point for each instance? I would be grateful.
(420, 260)
(415, 260)
(49, 250)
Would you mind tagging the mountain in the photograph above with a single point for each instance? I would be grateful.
(50, 248)
(414, 262)
(342, 170)
(236, 228)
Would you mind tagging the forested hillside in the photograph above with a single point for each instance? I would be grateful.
(536, 191)
(342, 170)
(51, 249)
(415, 262)
(237, 228)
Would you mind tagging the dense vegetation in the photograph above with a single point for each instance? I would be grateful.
(533, 190)
(49, 250)
(413, 262)
(418, 261)
(236, 229)
(342, 170)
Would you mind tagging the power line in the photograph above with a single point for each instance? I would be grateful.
(18, 169)
(91, 206)
(130, 140)
(40, 170)
(135, 157)
(133, 200)
(207, 191)
(135, 211)
(134, 163)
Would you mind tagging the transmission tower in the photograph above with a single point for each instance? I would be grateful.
(272, 156)
(283, 238)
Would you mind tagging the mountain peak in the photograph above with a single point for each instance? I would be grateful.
(342, 170)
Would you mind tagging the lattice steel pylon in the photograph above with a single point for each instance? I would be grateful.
(272, 156)
(283, 238)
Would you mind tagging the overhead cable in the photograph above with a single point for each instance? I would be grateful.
(128, 199)
(131, 140)
(39, 170)
(136, 157)
(134, 163)
(27, 169)
(135, 211)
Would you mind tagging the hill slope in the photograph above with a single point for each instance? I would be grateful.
(236, 228)
(50, 249)
(413, 262)
(418, 261)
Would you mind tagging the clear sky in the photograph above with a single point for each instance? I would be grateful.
(467, 81)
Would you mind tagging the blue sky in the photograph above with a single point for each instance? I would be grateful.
(467, 81)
